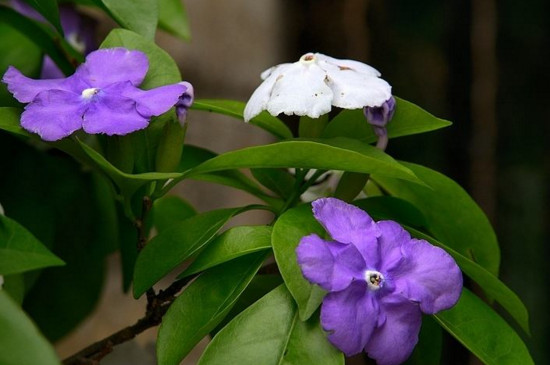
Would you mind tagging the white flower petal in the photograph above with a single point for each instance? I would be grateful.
(353, 90)
(343, 64)
(258, 101)
(301, 90)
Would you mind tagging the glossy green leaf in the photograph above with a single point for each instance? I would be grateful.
(280, 181)
(173, 246)
(408, 119)
(258, 287)
(327, 154)
(287, 232)
(20, 341)
(233, 243)
(49, 10)
(20, 251)
(138, 16)
(169, 211)
(194, 156)
(430, 341)
(18, 51)
(52, 43)
(14, 285)
(389, 207)
(270, 333)
(9, 121)
(451, 214)
(128, 183)
(163, 70)
(202, 306)
(173, 18)
(236, 108)
(482, 331)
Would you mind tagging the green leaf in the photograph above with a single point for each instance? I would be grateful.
(389, 207)
(258, 287)
(328, 154)
(202, 306)
(49, 10)
(270, 333)
(482, 331)
(128, 183)
(20, 251)
(163, 70)
(138, 16)
(280, 181)
(430, 340)
(18, 51)
(193, 156)
(173, 246)
(52, 43)
(173, 18)
(294, 224)
(235, 109)
(408, 119)
(169, 211)
(452, 215)
(20, 341)
(233, 243)
(10, 121)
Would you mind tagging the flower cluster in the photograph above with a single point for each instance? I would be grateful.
(102, 96)
(379, 279)
(314, 84)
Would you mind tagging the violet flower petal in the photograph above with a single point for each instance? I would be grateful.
(350, 316)
(392, 237)
(54, 114)
(348, 224)
(156, 101)
(25, 89)
(185, 101)
(393, 342)
(331, 265)
(112, 114)
(108, 66)
(429, 276)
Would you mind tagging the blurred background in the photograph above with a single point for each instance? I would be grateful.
(481, 64)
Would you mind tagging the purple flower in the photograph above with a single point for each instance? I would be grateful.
(101, 97)
(379, 279)
(185, 102)
(379, 116)
(78, 28)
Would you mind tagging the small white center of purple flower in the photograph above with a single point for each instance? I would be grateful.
(374, 279)
(89, 93)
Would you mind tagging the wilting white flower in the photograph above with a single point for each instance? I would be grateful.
(314, 84)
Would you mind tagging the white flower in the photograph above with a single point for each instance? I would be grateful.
(314, 84)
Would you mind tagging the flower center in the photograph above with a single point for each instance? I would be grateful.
(374, 279)
(307, 58)
(89, 93)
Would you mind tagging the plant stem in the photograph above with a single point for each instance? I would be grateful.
(155, 311)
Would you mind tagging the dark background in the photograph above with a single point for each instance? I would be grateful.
(485, 66)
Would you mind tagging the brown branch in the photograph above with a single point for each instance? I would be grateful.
(156, 309)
